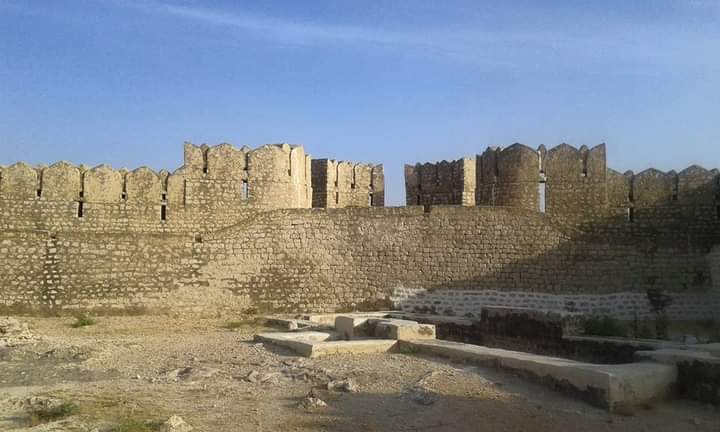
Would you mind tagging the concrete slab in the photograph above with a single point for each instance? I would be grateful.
(608, 386)
(712, 348)
(317, 344)
(294, 324)
(329, 318)
(403, 329)
(362, 326)
(300, 342)
(360, 346)
(307, 336)
(675, 356)
(650, 344)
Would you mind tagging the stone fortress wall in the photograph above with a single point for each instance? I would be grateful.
(576, 187)
(338, 184)
(650, 211)
(569, 183)
(442, 183)
(233, 230)
(215, 187)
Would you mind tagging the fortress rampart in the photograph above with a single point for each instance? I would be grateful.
(215, 187)
(233, 229)
(338, 184)
(573, 185)
(442, 183)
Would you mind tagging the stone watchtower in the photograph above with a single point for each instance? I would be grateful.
(338, 184)
(441, 183)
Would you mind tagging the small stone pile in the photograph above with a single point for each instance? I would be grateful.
(175, 424)
(14, 332)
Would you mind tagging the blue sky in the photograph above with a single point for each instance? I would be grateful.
(393, 82)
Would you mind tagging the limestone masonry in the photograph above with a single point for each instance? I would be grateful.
(344, 184)
(270, 229)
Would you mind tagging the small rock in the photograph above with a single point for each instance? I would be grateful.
(14, 332)
(175, 373)
(270, 378)
(318, 393)
(310, 403)
(347, 386)
(422, 396)
(253, 376)
(175, 424)
(39, 403)
(302, 376)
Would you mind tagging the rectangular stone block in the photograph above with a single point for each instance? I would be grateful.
(403, 330)
(351, 327)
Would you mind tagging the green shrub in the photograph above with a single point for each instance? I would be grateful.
(133, 425)
(662, 326)
(52, 413)
(232, 325)
(83, 321)
(645, 332)
(604, 326)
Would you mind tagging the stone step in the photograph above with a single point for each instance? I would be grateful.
(613, 387)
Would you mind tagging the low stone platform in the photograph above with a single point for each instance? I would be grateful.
(352, 327)
(295, 324)
(608, 386)
(329, 318)
(698, 371)
(358, 333)
(650, 344)
(317, 344)
(675, 356)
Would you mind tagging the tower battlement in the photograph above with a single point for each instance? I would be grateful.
(338, 184)
(572, 184)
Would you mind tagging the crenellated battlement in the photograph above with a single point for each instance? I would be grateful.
(508, 176)
(215, 183)
(570, 183)
(338, 184)
(271, 176)
(441, 183)
(566, 163)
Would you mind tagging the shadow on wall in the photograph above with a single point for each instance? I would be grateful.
(655, 231)
(329, 260)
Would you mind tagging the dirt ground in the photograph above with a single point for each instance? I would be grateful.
(137, 369)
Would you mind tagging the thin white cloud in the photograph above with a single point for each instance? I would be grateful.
(633, 46)
(282, 29)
